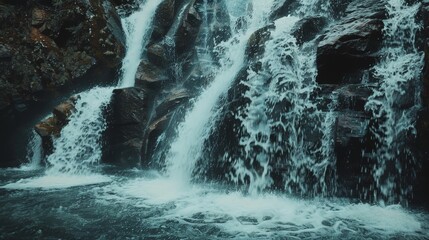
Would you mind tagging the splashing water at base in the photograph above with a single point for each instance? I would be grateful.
(237, 215)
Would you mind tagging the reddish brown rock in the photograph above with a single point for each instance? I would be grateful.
(39, 17)
(48, 127)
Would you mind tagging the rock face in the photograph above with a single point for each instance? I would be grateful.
(128, 116)
(176, 29)
(351, 45)
(47, 47)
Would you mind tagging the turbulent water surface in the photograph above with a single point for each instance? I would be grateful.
(143, 205)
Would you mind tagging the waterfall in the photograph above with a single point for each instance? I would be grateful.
(194, 130)
(282, 127)
(137, 33)
(79, 147)
(34, 152)
(398, 73)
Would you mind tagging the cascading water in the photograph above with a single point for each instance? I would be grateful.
(194, 130)
(79, 147)
(395, 103)
(137, 28)
(282, 126)
(34, 152)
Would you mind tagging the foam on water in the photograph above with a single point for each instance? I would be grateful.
(266, 215)
(57, 181)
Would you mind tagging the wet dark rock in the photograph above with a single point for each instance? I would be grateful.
(47, 128)
(39, 17)
(107, 31)
(149, 76)
(421, 189)
(352, 44)
(284, 10)
(256, 45)
(353, 96)
(128, 106)
(5, 52)
(426, 74)
(127, 117)
(423, 120)
(307, 29)
(172, 101)
(338, 7)
(63, 111)
(157, 54)
(350, 125)
(188, 31)
(126, 154)
(154, 131)
(351, 141)
(165, 112)
(164, 18)
(219, 29)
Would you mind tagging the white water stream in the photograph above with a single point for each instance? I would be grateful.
(194, 130)
(398, 72)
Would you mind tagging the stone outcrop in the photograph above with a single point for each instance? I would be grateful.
(351, 45)
(127, 117)
(51, 127)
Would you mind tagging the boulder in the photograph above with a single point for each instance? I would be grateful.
(151, 139)
(307, 28)
(158, 55)
(48, 128)
(172, 101)
(352, 44)
(51, 127)
(353, 96)
(188, 31)
(166, 110)
(127, 154)
(39, 16)
(164, 18)
(149, 76)
(129, 109)
(256, 45)
(350, 125)
(284, 9)
(63, 111)
(128, 106)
